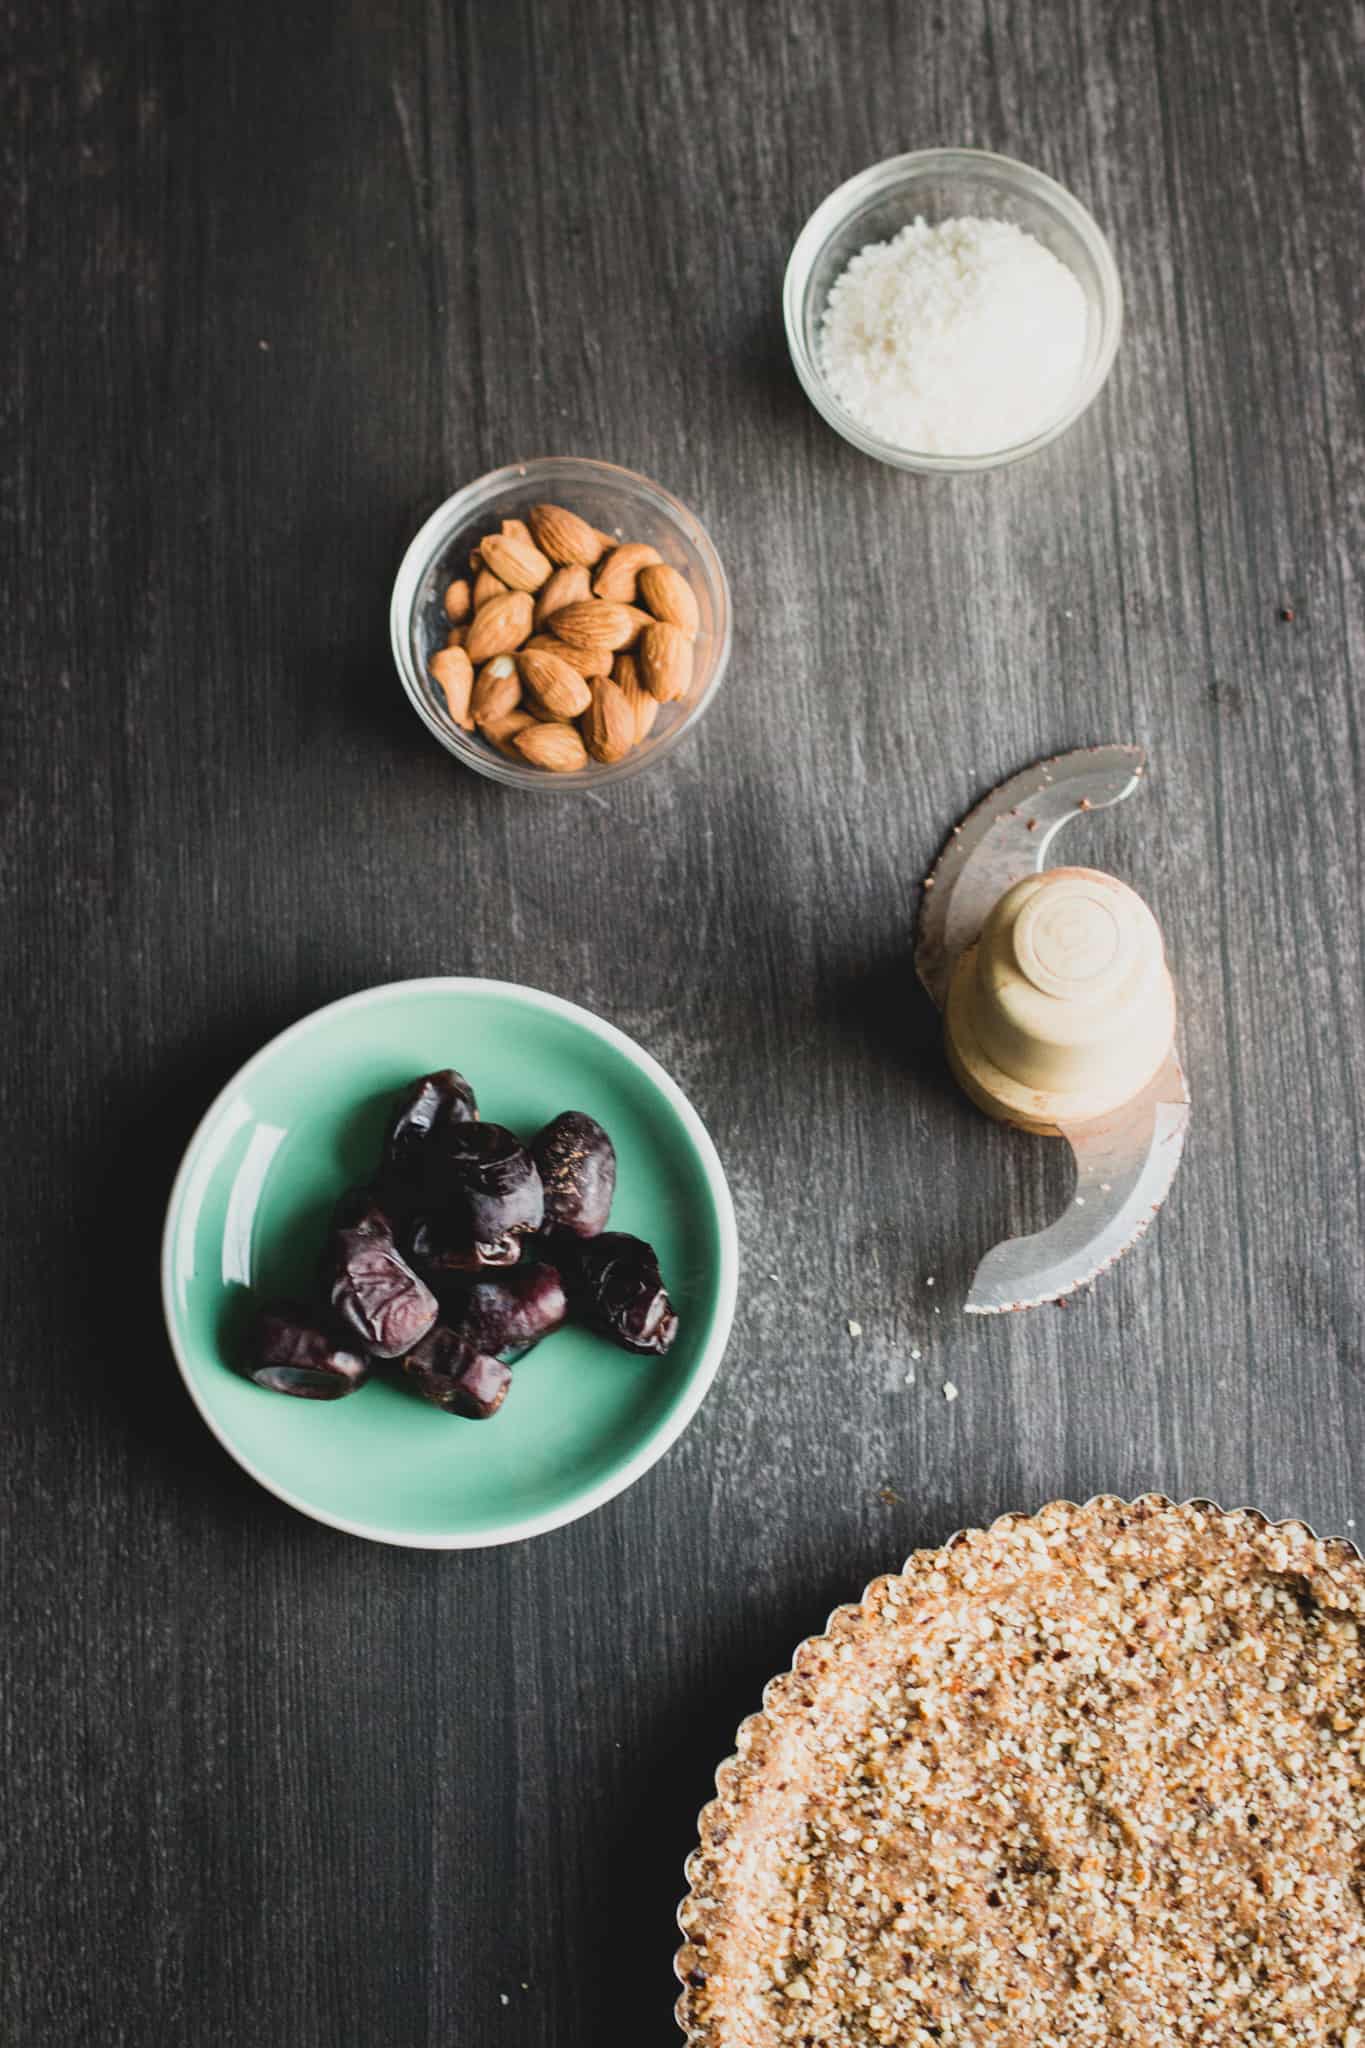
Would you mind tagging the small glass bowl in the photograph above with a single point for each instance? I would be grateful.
(615, 500)
(941, 184)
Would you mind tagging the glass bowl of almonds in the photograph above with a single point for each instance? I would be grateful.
(560, 623)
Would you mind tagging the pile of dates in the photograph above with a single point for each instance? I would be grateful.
(464, 1251)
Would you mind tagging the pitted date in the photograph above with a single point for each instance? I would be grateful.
(507, 1314)
(453, 1374)
(466, 1248)
(485, 1199)
(615, 1287)
(577, 1163)
(373, 1288)
(291, 1352)
(425, 1109)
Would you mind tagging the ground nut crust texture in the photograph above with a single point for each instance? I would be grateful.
(1091, 1776)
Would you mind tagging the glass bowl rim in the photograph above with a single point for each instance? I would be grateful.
(435, 533)
(835, 209)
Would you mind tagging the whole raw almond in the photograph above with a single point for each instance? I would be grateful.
(553, 684)
(565, 537)
(457, 601)
(596, 624)
(487, 586)
(644, 709)
(502, 731)
(499, 626)
(556, 747)
(567, 586)
(513, 555)
(608, 724)
(589, 661)
(497, 692)
(454, 672)
(665, 657)
(457, 636)
(666, 592)
(616, 579)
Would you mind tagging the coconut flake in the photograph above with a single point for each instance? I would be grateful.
(957, 339)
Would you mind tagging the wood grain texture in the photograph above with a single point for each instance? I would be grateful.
(279, 279)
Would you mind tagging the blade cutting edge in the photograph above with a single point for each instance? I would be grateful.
(1124, 1168)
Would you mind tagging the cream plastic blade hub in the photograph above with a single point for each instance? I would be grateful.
(1059, 1016)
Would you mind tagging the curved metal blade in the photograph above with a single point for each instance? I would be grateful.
(1125, 1164)
(1006, 837)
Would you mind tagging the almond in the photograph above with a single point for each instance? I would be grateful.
(553, 683)
(567, 538)
(665, 661)
(644, 708)
(556, 747)
(499, 626)
(497, 693)
(595, 624)
(608, 724)
(454, 672)
(589, 661)
(503, 731)
(513, 555)
(457, 601)
(615, 580)
(487, 586)
(457, 636)
(566, 586)
(666, 592)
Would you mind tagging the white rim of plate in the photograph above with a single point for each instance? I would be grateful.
(718, 1188)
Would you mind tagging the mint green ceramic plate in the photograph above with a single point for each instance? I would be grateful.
(305, 1118)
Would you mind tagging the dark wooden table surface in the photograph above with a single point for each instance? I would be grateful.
(278, 278)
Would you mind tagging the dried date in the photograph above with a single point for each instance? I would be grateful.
(577, 1164)
(292, 1353)
(509, 1313)
(485, 1198)
(372, 1287)
(615, 1287)
(453, 1374)
(427, 1108)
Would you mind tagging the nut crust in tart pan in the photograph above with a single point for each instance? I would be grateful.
(1090, 1776)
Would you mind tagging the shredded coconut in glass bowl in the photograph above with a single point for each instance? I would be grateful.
(957, 339)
